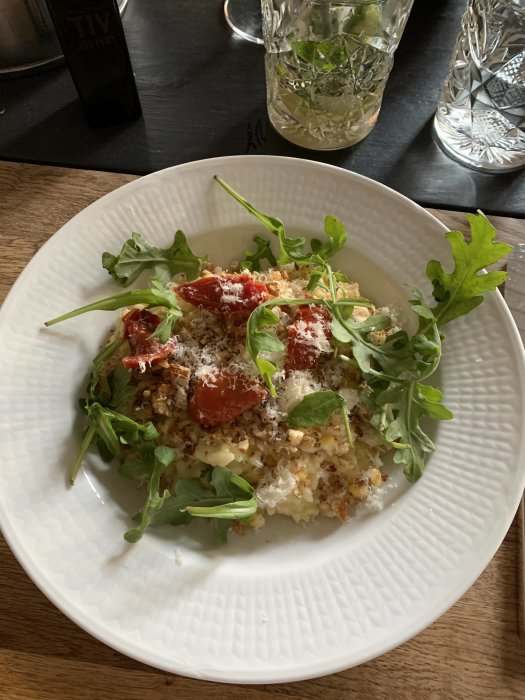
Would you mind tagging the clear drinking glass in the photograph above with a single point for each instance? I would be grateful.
(480, 119)
(327, 64)
(244, 17)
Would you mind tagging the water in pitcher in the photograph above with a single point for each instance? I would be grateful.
(327, 64)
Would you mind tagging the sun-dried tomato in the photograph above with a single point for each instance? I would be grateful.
(225, 294)
(221, 397)
(139, 324)
(310, 325)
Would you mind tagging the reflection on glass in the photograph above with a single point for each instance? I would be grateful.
(244, 17)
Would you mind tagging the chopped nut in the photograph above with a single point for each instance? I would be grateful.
(375, 477)
(178, 374)
(377, 337)
(238, 527)
(257, 520)
(340, 509)
(308, 441)
(162, 399)
(328, 443)
(243, 445)
(359, 491)
(360, 313)
(295, 436)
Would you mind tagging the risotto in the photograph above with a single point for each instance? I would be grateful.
(204, 395)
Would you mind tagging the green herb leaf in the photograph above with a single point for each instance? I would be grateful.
(253, 260)
(119, 384)
(156, 296)
(335, 231)
(460, 291)
(272, 223)
(106, 437)
(315, 409)
(139, 465)
(115, 429)
(99, 361)
(429, 398)
(225, 496)
(408, 404)
(292, 249)
(226, 484)
(110, 430)
(86, 442)
(220, 530)
(113, 388)
(138, 254)
(259, 341)
(163, 457)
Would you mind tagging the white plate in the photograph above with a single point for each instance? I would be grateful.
(289, 602)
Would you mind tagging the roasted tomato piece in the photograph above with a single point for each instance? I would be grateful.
(225, 294)
(307, 334)
(221, 397)
(139, 324)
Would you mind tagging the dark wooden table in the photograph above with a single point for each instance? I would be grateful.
(203, 95)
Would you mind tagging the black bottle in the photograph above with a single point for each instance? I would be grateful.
(92, 39)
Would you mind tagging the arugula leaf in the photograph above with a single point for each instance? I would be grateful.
(88, 438)
(120, 389)
(116, 429)
(139, 464)
(429, 398)
(226, 484)
(113, 389)
(107, 439)
(371, 359)
(259, 341)
(292, 249)
(460, 291)
(111, 430)
(225, 496)
(401, 402)
(186, 492)
(272, 223)
(220, 530)
(98, 362)
(163, 457)
(138, 254)
(410, 403)
(156, 296)
(316, 408)
(253, 260)
(165, 329)
(336, 233)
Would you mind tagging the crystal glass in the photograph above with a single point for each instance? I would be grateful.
(244, 17)
(327, 64)
(480, 119)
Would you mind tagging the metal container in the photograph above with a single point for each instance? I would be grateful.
(28, 42)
